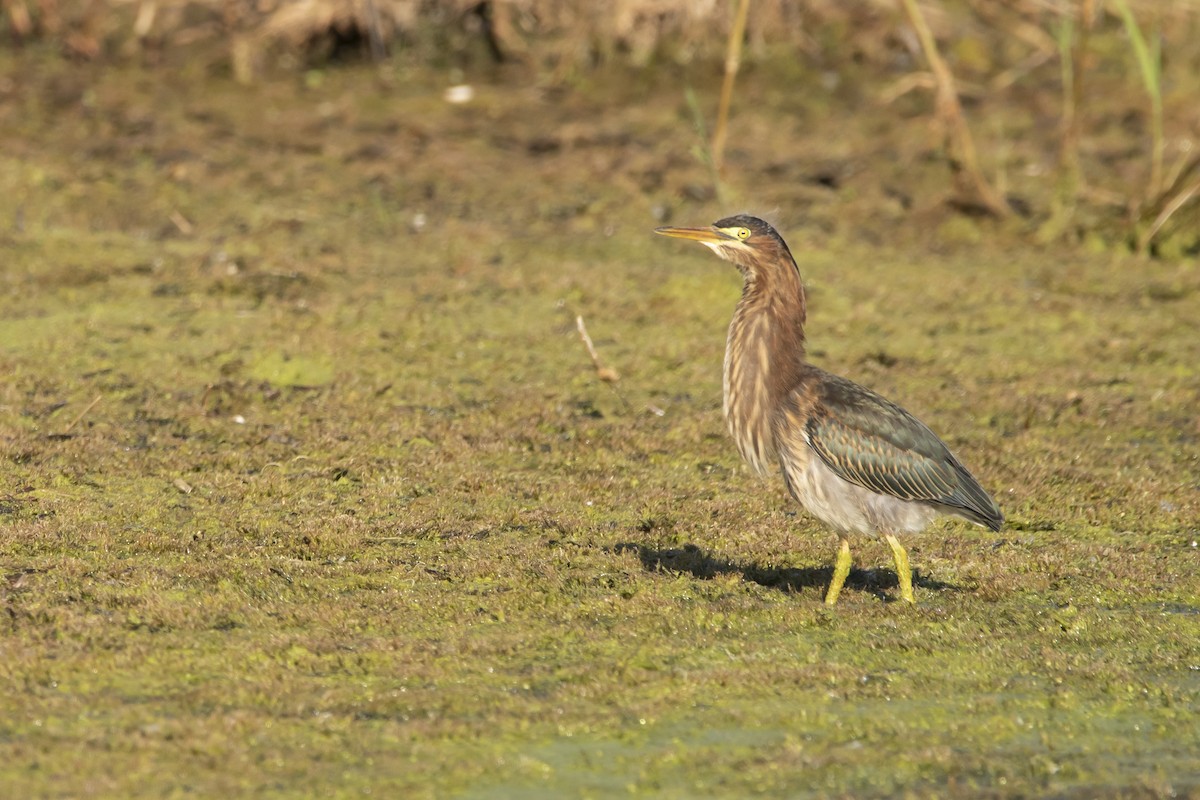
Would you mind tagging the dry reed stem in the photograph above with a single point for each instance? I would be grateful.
(1013, 19)
(1171, 200)
(1073, 99)
(1019, 70)
(733, 55)
(960, 147)
(19, 18)
(375, 31)
(1150, 66)
(906, 84)
(144, 22)
(1073, 57)
(1174, 204)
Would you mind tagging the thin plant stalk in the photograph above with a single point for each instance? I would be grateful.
(703, 150)
(733, 55)
(1074, 57)
(960, 146)
(375, 32)
(1072, 53)
(1150, 64)
(1068, 151)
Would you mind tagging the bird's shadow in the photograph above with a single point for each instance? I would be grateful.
(694, 561)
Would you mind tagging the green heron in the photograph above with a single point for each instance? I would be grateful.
(856, 461)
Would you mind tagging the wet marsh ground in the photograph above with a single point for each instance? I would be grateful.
(308, 486)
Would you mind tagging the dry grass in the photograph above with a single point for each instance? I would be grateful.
(991, 48)
(636, 27)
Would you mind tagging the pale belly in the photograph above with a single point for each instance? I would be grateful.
(847, 507)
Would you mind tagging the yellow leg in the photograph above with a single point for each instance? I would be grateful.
(840, 570)
(902, 570)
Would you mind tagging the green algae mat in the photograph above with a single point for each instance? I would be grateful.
(309, 486)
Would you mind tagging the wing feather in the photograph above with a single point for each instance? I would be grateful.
(874, 443)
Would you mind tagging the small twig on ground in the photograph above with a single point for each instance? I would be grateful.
(733, 55)
(959, 146)
(82, 414)
(281, 573)
(181, 222)
(208, 388)
(606, 374)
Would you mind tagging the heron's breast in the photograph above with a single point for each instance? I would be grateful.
(748, 403)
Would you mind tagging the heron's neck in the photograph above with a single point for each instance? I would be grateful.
(764, 360)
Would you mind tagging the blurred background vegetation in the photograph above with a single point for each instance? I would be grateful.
(1110, 87)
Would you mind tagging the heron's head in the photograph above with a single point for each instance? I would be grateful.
(749, 242)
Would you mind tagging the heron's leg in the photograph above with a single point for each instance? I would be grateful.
(902, 570)
(840, 570)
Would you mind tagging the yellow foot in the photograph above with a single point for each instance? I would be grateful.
(840, 570)
(902, 570)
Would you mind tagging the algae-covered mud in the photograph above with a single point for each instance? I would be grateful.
(309, 486)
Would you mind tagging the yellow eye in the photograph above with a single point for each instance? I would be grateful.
(743, 233)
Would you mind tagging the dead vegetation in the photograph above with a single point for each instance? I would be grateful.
(973, 49)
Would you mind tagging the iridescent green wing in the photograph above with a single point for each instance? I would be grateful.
(874, 443)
